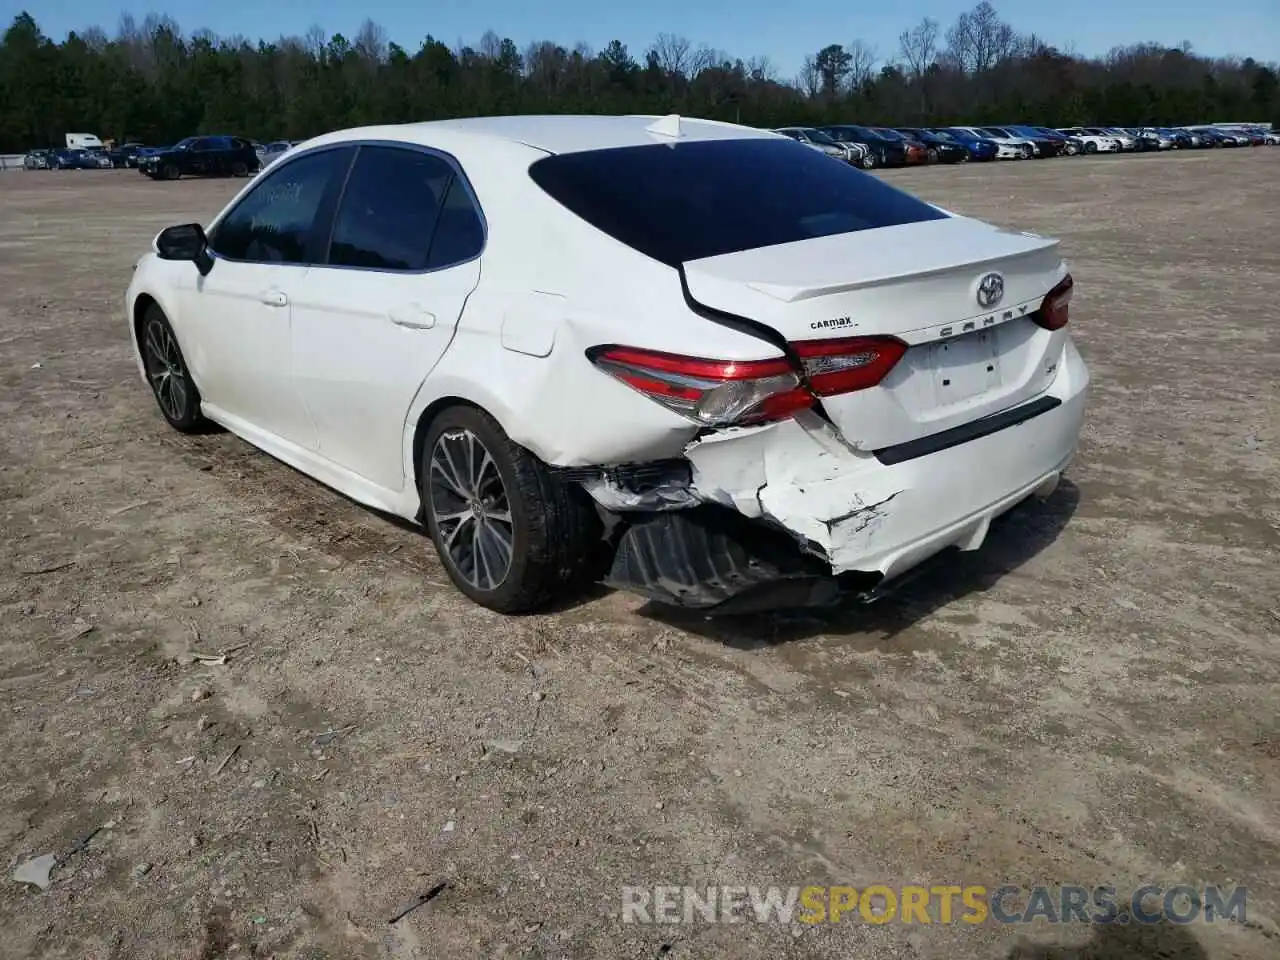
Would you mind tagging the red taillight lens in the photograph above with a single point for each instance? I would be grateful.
(1052, 314)
(714, 392)
(848, 364)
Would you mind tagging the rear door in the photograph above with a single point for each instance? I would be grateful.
(372, 321)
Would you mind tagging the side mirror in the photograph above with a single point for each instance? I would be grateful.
(186, 241)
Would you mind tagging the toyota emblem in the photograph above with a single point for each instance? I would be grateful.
(990, 290)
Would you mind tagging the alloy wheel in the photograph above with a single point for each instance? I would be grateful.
(471, 509)
(165, 371)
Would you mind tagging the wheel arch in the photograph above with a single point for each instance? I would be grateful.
(419, 439)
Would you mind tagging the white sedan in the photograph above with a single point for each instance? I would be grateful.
(1093, 140)
(698, 361)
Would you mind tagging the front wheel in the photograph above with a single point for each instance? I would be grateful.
(167, 372)
(170, 172)
(869, 161)
(1090, 147)
(512, 536)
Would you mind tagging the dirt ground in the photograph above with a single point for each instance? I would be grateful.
(1089, 699)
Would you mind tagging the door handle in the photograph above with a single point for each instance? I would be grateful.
(413, 318)
(274, 298)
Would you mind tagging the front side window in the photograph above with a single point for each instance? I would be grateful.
(687, 201)
(273, 223)
(390, 209)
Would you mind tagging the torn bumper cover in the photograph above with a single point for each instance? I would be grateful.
(791, 515)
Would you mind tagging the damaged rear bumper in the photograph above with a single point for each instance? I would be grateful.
(790, 514)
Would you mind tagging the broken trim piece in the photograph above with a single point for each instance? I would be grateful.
(973, 430)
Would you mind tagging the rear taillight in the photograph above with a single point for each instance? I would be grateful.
(713, 392)
(723, 392)
(1052, 314)
(849, 363)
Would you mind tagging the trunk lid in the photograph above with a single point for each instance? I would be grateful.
(917, 282)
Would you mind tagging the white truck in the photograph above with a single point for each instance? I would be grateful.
(83, 141)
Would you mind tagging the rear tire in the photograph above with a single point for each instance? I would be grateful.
(239, 169)
(167, 372)
(511, 535)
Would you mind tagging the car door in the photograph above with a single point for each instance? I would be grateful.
(371, 323)
(202, 155)
(234, 322)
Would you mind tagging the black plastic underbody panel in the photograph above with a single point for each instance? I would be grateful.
(923, 446)
(713, 559)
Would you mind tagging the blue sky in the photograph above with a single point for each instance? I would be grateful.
(784, 32)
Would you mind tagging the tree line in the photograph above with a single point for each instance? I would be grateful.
(151, 82)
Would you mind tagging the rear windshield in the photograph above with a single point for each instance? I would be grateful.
(685, 201)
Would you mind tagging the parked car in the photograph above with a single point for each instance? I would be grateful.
(854, 153)
(1092, 142)
(917, 152)
(1005, 149)
(1128, 142)
(274, 151)
(1030, 145)
(1181, 139)
(1071, 145)
(1049, 143)
(202, 156)
(744, 442)
(1216, 138)
(125, 155)
(79, 159)
(980, 148)
(38, 160)
(881, 151)
(1154, 139)
(941, 149)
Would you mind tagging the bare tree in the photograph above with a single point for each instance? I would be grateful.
(490, 45)
(919, 46)
(762, 70)
(810, 79)
(95, 38)
(371, 42)
(979, 39)
(674, 53)
(705, 59)
(316, 40)
(862, 62)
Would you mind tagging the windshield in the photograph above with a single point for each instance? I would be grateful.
(687, 201)
(184, 143)
(817, 136)
(851, 131)
(888, 134)
(943, 135)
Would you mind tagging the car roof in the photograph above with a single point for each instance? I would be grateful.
(551, 134)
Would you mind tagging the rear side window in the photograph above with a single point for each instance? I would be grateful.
(390, 209)
(686, 201)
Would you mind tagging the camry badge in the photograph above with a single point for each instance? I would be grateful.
(990, 290)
